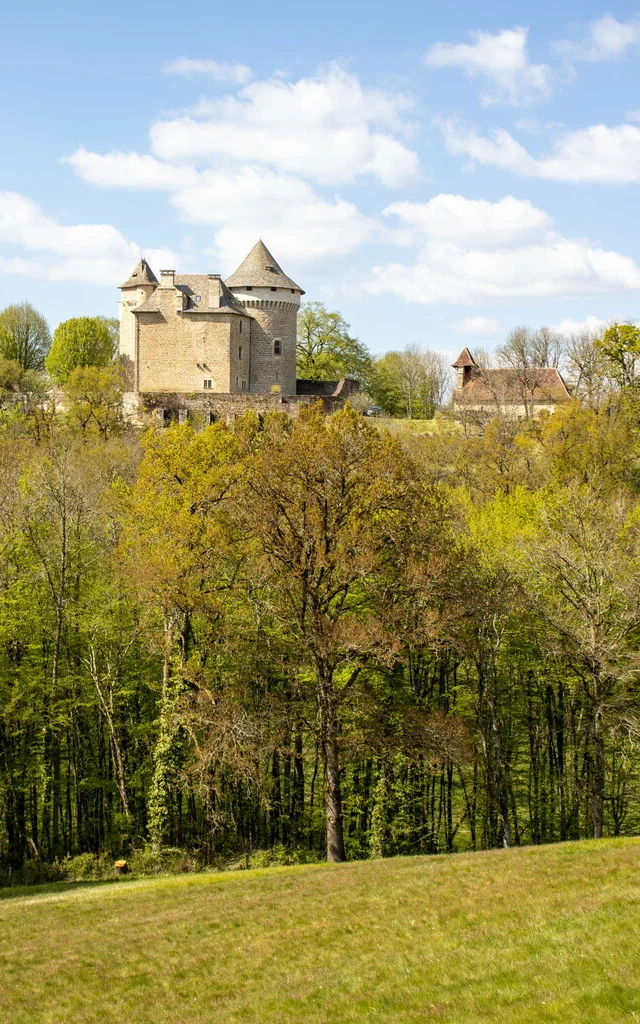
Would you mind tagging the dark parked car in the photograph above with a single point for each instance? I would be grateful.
(374, 410)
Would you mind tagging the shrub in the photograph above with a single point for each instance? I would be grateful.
(168, 860)
(89, 867)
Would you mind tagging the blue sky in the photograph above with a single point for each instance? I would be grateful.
(439, 173)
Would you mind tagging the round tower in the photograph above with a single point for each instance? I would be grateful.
(273, 300)
(136, 289)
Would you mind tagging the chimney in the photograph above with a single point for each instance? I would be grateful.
(215, 291)
(167, 278)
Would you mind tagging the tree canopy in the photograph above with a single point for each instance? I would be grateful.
(325, 348)
(24, 336)
(82, 341)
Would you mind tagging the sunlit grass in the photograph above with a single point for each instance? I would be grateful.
(537, 934)
(438, 425)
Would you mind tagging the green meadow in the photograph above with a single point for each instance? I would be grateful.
(532, 934)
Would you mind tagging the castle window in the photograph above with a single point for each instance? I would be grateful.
(277, 347)
(249, 287)
(274, 289)
(198, 298)
(239, 351)
(207, 384)
(241, 322)
(244, 385)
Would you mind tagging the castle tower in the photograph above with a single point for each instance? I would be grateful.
(273, 300)
(136, 289)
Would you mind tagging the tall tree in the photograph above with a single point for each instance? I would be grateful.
(82, 341)
(328, 505)
(326, 350)
(413, 382)
(620, 346)
(24, 336)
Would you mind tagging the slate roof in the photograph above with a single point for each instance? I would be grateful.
(260, 270)
(141, 274)
(537, 384)
(192, 286)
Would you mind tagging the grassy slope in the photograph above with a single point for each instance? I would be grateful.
(538, 934)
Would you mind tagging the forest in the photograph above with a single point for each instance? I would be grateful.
(316, 638)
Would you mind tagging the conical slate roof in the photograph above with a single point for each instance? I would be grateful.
(141, 274)
(260, 270)
(464, 359)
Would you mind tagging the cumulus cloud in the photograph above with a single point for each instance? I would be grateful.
(328, 128)
(502, 61)
(97, 253)
(592, 325)
(466, 269)
(255, 161)
(189, 68)
(476, 325)
(301, 226)
(609, 155)
(130, 170)
(452, 217)
(606, 38)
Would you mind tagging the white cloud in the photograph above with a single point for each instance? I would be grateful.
(476, 325)
(301, 226)
(188, 68)
(328, 129)
(500, 59)
(98, 253)
(469, 269)
(452, 217)
(248, 163)
(130, 170)
(592, 324)
(606, 38)
(595, 154)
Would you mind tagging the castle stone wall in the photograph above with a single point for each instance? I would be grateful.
(273, 320)
(171, 344)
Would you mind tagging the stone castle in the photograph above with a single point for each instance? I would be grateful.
(195, 341)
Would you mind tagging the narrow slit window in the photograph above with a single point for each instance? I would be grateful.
(239, 351)
(277, 347)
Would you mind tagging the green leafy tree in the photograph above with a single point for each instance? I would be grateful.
(410, 383)
(93, 397)
(24, 336)
(326, 350)
(113, 326)
(82, 341)
(620, 345)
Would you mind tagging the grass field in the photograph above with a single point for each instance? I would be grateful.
(537, 934)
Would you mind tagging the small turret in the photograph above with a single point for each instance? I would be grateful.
(465, 367)
(140, 284)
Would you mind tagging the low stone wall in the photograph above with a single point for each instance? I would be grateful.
(165, 407)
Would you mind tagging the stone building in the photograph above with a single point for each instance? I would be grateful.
(518, 393)
(195, 339)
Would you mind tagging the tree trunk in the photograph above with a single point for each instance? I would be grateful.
(331, 764)
(597, 785)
